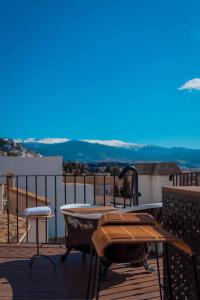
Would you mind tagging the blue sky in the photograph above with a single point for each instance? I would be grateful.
(101, 69)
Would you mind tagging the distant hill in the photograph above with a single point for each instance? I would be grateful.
(9, 147)
(91, 151)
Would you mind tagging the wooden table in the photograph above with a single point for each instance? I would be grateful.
(104, 237)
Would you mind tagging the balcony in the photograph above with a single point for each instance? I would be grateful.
(70, 279)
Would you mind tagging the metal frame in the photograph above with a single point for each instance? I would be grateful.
(36, 256)
(52, 180)
(180, 216)
(95, 271)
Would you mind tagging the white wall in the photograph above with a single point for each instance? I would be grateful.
(55, 188)
(2, 197)
(151, 188)
(49, 165)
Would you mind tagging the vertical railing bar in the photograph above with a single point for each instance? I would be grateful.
(84, 188)
(8, 210)
(55, 210)
(36, 195)
(187, 178)
(65, 189)
(124, 192)
(114, 190)
(17, 208)
(181, 179)
(36, 204)
(94, 190)
(104, 190)
(196, 179)
(191, 179)
(176, 181)
(134, 190)
(65, 197)
(74, 188)
(45, 189)
(26, 187)
(46, 224)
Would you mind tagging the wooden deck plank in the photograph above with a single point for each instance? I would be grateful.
(70, 279)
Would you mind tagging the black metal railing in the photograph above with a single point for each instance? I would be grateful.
(186, 179)
(19, 192)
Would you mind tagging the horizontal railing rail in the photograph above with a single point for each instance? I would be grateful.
(18, 192)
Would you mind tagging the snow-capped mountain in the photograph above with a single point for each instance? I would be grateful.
(43, 141)
(100, 150)
(114, 143)
(111, 143)
(111, 150)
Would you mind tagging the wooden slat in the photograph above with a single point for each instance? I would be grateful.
(70, 280)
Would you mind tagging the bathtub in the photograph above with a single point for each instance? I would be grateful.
(80, 227)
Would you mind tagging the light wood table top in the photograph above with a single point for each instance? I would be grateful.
(106, 236)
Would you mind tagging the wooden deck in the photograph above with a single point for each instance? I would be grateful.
(70, 279)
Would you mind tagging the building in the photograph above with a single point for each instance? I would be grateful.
(152, 177)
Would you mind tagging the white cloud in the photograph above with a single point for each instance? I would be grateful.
(193, 84)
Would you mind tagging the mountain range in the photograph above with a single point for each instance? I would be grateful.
(111, 150)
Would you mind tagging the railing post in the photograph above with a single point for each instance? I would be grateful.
(94, 190)
(74, 188)
(114, 188)
(104, 190)
(84, 187)
(26, 187)
(8, 210)
(56, 229)
(17, 208)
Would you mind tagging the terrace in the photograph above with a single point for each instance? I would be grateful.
(70, 280)
(181, 207)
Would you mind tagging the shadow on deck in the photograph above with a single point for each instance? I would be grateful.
(70, 279)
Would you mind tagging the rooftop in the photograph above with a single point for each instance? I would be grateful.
(12, 228)
(157, 168)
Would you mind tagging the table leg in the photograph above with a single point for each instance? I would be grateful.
(90, 272)
(158, 270)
